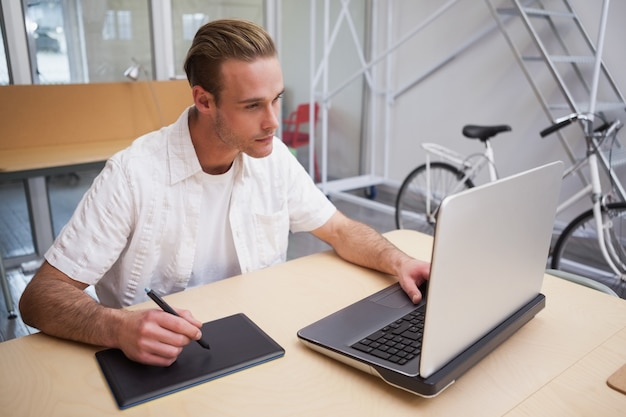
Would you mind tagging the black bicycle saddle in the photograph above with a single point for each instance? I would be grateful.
(484, 132)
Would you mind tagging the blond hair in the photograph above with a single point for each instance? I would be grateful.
(220, 40)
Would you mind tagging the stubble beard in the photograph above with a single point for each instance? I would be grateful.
(230, 138)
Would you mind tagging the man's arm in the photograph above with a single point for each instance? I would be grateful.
(362, 245)
(58, 306)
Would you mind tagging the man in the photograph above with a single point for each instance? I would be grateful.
(211, 196)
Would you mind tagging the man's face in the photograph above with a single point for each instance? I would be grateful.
(249, 109)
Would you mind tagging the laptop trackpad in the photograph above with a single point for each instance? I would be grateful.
(395, 298)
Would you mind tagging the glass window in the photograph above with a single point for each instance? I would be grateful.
(65, 192)
(46, 41)
(15, 232)
(87, 40)
(189, 15)
(4, 68)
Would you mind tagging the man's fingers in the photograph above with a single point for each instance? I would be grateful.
(186, 314)
(185, 325)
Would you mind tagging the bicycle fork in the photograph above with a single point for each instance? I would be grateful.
(603, 228)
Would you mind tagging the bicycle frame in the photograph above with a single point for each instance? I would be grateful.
(594, 188)
(469, 169)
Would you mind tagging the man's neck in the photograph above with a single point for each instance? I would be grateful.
(215, 157)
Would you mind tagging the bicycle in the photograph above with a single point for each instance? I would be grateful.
(598, 234)
(423, 189)
(591, 244)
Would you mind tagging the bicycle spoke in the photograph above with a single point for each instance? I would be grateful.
(578, 250)
(421, 194)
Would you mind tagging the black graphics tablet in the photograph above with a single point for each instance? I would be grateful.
(236, 342)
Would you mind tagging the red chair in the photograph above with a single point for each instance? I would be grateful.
(296, 130)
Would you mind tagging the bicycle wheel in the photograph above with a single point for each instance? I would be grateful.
(411, 202)
(577, 250)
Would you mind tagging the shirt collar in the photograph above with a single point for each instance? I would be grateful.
(183, 161)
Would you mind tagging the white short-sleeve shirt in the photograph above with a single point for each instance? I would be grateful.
(137, 226)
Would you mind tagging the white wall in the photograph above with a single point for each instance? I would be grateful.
(483, 85)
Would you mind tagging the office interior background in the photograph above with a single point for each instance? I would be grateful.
(89, 41)
(390, 74)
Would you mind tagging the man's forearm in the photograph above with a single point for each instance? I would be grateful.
(62, 310)
(362, 245)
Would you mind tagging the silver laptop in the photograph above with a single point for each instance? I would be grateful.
(489, 255)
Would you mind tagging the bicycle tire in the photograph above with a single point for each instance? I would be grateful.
(411, 202)
(577, 249)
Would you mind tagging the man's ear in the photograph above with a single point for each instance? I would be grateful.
(202, 99)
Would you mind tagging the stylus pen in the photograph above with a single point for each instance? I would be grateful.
(168, 309)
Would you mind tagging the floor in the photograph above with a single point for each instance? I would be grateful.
(66, 191)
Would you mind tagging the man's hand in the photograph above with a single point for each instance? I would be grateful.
(413, 274)
(57, 305)
(155, 337)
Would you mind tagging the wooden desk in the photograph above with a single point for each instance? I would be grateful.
(556, 365)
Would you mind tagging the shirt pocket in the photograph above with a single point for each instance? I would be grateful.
(272, 232)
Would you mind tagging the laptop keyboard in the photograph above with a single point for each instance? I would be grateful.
(397, 342)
